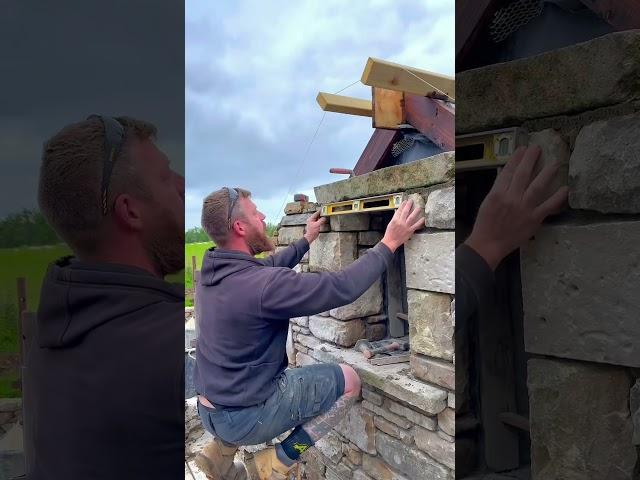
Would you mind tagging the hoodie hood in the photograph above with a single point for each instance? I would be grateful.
(219, 263)
(77, 297)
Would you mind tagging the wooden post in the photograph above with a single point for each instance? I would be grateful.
(193, 273)
(22, 308)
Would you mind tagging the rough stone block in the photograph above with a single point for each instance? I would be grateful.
(344, 333)
(392, 429)
(291, 354)
(409, 462)
(308, 341)
(433, 371)
(417, 418)
(349, 223)
(333, 251)
(376, 318)
(369, 238)
(576, 292)
(353, 453)
(287, 235)
(369, 303)
(419, 204)
(436, 447)
(440, 210)
(294, 220)
(430, 325)
(451, 400)
(300, 321)
(447, 421)
(293, 208)
(553, 149)
(360, 475)
(330, 446)
(430, 262)
(376, 331)
(302, 359)
(379, 470)
(372, 397)
(309, 207)
(577, 78)
(421, 173)
(580, 420)
(635, 411)
(605, 166)
(384, 412)
(358, 428)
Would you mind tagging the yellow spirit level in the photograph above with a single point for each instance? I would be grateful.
(363, 205)
(488, 149)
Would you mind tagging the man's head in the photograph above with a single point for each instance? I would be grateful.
(233, 221)
(143, 209)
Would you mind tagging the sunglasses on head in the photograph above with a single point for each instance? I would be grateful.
(113, 140)
(233, 198)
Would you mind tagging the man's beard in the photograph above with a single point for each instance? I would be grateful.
(166, 245)
(258, 242)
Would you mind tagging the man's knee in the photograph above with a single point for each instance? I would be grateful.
(352, 381)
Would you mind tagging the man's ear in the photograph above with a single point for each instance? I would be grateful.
(127, 212)
(239, 228)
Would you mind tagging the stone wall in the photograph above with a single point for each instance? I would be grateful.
(580, 273)
(404, 426)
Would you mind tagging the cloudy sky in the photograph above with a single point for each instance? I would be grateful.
(253, 70)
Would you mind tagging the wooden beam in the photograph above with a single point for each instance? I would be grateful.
(377, 151)
(620, 14)
(434, 119)
(341, 104)
(388, 108)
(380, 73)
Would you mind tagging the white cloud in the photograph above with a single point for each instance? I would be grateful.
(253, 73)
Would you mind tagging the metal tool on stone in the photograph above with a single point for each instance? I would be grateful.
(363, 205)
(369, 350)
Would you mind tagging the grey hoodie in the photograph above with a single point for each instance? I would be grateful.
(104, 377)
(244, 306)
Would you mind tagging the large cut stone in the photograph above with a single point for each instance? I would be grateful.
(433, 371)
(410, 462)
(369, 303)
(340, 332)
(553, 149)
(430, 262)
(369, 238)
(605, 166)
(430, 325)
(349, 223)
(635, 411)
(600, 72)
(421, 173)
(577, 292)
(436, 447)
(291, 220)
(287, 235)
(378, 470)
(440, 210)
(330, 446)
(333, 251)
(358, 428)
(580, 422)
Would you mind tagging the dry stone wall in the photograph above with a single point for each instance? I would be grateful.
(403, 429)
(580, 273)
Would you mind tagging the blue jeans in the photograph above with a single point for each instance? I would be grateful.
(301, 394)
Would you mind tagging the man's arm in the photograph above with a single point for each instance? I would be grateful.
(288, 294)
(291, 256)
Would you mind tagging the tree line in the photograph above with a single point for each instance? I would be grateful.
(26, 228)
(197, 234)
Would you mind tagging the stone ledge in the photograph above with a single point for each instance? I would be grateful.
(581, 77)
(421, 173)
(392, 380)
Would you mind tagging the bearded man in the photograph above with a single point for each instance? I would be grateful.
(246, 394)
(104, 377)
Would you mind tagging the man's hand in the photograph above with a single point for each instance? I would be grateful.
(515, 207)
(314, 224)
(405, 221)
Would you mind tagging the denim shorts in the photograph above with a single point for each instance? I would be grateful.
(300, 395)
